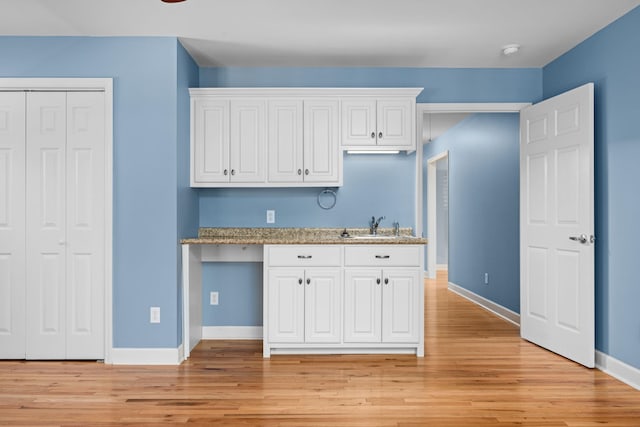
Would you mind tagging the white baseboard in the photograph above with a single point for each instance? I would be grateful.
(491, 306)
(618, 370)
(147, 356)
(232, 332)
(442, 267)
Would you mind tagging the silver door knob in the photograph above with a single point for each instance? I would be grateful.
(581, 238)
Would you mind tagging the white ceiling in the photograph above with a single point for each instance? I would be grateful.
(389, 33)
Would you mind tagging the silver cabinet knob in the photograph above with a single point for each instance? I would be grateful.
(373, 135)
(308, 281)
(380, 135)
(226, 172)
(386, 280)
(378, 280)
(306, 171)
(299, 281)
(233, 171)
(299, 171)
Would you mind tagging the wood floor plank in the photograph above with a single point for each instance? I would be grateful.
(476, 372)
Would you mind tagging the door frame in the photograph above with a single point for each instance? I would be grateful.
(435, 108)
(88, 84)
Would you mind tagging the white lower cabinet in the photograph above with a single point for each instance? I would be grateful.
(381, 305)
(343, 299)
(304, 305)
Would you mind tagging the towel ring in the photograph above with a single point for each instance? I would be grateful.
(327, 199)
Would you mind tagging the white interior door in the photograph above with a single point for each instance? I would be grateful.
(12, 211)
(557, 225)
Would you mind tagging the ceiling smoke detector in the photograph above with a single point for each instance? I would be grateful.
(510, 49)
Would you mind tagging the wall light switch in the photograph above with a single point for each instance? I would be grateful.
(271, 217)
(154, 315)
(213, 298)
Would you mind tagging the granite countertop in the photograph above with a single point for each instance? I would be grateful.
(301, 236)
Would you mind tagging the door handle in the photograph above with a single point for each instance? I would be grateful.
(581, 238)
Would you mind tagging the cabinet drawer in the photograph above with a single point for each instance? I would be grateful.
(303, 255)
(382, 256)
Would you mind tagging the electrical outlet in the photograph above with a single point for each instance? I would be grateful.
(213, 298)
(154, 315)
(486, 278)
(271, 217)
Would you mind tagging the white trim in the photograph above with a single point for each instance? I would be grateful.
(304, 92)
(232, 332)
(494, 107)
(618, 370)
(56, 84)
(497, 309)
(88, 84)
(147, 356)
(442, 267)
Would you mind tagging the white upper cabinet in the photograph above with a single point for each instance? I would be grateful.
(304, 146)
(292, 137)
(209, 141)
(247, 141)
(228, 142)
(286, 161)
(378, 123)
(322, 155)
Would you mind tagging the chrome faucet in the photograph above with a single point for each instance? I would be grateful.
(396, 229)
(373, 225)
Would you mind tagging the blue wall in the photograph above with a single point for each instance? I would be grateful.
(145, 266)
(373, 184)
(484, 204)
(610, 59)
(441, 84)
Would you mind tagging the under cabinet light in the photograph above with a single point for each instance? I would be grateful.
(373, 151)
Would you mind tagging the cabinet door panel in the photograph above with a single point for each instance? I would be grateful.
(362, 305)
(322, 305)
(247, 142)
(400, 305)
(286, 305)
(359, 121)
(285, 141)
(321, 145)
(12, 213)
(394, 123)
(210, 141)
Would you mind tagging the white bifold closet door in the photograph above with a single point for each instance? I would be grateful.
(63, 174)
(12, 229)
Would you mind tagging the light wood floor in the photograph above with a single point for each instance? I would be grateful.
(476, 372)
